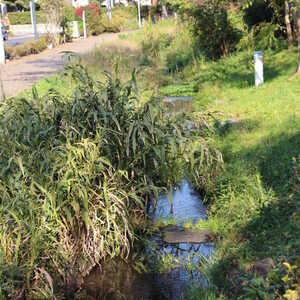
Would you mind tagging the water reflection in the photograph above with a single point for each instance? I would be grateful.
(173, 267)
(185, 205)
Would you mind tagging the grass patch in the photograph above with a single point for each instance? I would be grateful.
(254, 208)
(254, 204)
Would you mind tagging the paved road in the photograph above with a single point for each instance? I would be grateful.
(18, 75)
(19, 39)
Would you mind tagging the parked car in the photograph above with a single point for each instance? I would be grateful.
(4, 20)
(4, 32)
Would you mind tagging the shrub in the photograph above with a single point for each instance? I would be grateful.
(94, 26)
(123, 18)
(180, 52)
(75, 174)
(31, 47)
(155, 41)
(94, 8)
(265, 36)
(66, 23)
(21, 18)
(214, 34)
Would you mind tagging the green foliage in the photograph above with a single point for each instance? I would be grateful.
(76, 172)
(123, 18)
(168, 45)
(94, 26)
(214, 34)
(266, 37)
(254, 206)
(21, 18)
(180, 51)
(154, 41)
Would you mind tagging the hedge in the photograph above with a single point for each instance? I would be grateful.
(28, 48)
(22, 18)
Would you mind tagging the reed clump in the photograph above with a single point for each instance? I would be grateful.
(75, 175)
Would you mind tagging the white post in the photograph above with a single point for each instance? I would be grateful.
(139, 13)
(108, 10)
(33, 19)
(258, 68)
(84, 24)
(2, 51)
(112, 3)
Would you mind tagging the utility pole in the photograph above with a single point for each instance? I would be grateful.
(139, 13)
(2, 51)
(33, 19)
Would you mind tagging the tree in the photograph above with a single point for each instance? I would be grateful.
(214, 34)
(297, 24)
(54, 16)
(289, 32)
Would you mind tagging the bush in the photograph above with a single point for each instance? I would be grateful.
(215, 36)
(123, 18)
(180, 52)
(23, 18)
(265, 37)
(94, 26)
(154, 40)
(31, 47)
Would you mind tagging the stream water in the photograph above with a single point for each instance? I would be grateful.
(176, 266)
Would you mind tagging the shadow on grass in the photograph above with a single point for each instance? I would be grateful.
(273, 230)
(238, 71)
(230, 126)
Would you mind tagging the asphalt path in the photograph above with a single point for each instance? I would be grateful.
(21, 74)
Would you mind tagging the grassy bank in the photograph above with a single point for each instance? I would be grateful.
(255, 206)
(254, 202)
(82, 154)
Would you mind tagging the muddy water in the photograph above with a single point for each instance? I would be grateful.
(172, 268)
(179, 103)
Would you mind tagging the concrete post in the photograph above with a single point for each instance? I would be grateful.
(258, 68)
(139, 13)
(84, 24)
(33, 19)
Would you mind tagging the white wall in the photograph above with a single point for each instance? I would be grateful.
(27, 29)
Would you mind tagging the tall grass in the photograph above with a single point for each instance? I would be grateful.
(76, 172)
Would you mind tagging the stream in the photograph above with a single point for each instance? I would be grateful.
(174, 256)
(173, 267)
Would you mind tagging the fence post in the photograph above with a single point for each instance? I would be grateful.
(258, 68)
(84, 24)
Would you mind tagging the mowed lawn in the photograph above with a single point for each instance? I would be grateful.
(255, 209)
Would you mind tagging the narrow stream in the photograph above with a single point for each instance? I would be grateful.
(175, 266)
